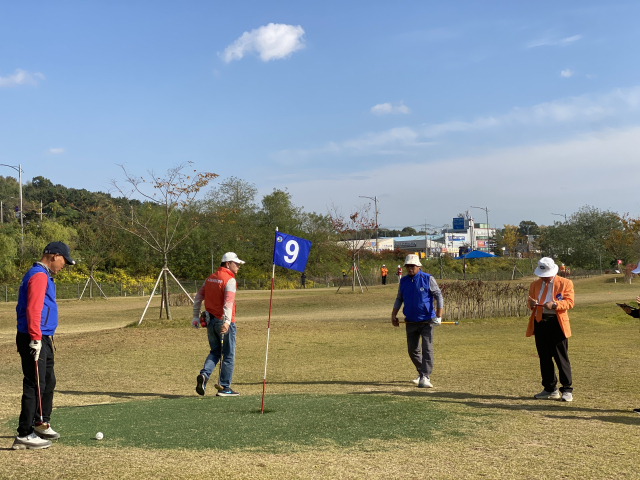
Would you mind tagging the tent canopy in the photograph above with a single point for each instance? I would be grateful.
(475, 254)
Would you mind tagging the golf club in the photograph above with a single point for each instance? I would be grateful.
(217, 385)
(441, 323)
(38, 388)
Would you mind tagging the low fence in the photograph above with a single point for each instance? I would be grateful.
(9, 293)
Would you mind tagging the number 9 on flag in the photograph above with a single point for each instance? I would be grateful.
(291, 252)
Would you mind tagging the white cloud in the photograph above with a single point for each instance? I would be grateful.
(405, 140)
(386, 108)
(56, 151)
(270, 42)
(554, 41)
(20, 77)
(566, 73)
(589, 165)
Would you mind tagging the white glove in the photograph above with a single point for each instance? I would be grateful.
(34, 349)
(437, 321)
(195, 323)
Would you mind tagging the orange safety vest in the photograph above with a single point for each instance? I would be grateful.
(214, 293)
(384, 271)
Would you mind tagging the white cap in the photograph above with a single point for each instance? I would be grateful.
(412, 259)
(383, 264)
(546, 267)
(637, 270)
(231, 257)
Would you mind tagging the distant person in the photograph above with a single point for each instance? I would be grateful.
(563, 270)
(399, 273)
(303, 280)
(383, 274)
(634, 312)
(550, 297)
(219, 295)
(423, 301)
(344, 275)
(37, 313)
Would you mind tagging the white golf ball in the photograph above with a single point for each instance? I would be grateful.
(99, 436)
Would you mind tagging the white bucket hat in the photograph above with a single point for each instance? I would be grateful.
(231, 257)
(546, 267)
(412, 259)
(637, 270)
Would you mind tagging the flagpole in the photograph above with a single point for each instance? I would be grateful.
(264, 379)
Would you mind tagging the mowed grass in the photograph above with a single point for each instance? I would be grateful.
(290, 422)
(338, 394)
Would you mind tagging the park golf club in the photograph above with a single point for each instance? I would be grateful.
(217, 385)
(38, 389)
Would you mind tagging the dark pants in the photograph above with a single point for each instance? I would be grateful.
(423, 360)
(30, 408)
(384, 279)
(553, 345)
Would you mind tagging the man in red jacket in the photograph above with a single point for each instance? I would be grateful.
(219, 295)
(37, 320)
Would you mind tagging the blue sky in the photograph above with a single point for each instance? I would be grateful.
(528, 108)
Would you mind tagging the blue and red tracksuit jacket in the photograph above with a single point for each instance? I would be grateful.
(37, 310)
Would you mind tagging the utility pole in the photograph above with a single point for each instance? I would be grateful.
(40, 211)
(486, 209)
(375, 201)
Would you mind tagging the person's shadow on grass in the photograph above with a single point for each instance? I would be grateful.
(122, 394)
(532, 404)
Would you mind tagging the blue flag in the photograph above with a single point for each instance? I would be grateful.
(291, 252)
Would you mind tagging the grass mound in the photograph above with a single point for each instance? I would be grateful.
(290, 422)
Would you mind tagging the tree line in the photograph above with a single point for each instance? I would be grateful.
(154, 220)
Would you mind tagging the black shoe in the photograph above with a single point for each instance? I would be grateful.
(227, 392)
(636, 410)
(201, 385)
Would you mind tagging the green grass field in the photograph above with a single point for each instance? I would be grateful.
(339, 402)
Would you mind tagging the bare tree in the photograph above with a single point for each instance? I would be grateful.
(96, 241)
(354, 231)
(166, 217)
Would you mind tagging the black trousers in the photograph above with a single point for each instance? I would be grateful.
(30, 409)
(553, 345)
(384, 279)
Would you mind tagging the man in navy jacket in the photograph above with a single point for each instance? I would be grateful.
(422, 310)
(37, 313)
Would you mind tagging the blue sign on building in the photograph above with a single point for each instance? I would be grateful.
(458, 223)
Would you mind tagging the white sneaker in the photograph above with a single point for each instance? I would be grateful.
(45, 431)
(544, 395)
(31, 442)
(424, 383)
(567, 397)
(416, 380)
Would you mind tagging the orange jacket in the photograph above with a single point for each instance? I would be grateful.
(214, 288)
(384, 271)
(562, 295)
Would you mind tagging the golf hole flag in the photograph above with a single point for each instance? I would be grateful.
(288, 252)
(291, 252)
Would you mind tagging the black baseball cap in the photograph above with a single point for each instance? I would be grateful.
(60, 248)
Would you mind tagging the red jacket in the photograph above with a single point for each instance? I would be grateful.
(214, 293)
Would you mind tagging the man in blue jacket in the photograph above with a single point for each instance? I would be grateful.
(422, 310)
(37, 313)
